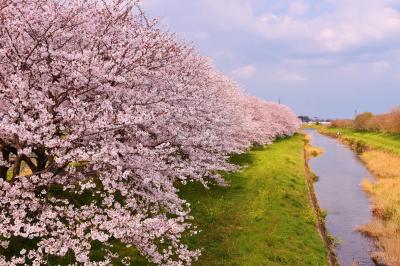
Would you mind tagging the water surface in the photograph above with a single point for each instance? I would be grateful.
(338, 191)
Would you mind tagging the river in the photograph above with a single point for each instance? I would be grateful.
(339, 192)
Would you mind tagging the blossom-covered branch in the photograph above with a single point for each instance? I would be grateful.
(96, 100)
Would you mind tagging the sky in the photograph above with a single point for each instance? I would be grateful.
(323, 58)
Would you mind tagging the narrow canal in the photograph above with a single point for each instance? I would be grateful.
(339, 192)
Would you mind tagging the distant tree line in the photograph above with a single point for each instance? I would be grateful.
(307, 119)
(387, 122)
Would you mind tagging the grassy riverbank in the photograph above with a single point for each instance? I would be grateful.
(381, 154)
(373, 140)
(264, 217)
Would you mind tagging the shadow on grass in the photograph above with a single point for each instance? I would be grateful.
(241, 159)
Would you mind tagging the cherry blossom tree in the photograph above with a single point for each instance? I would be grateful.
(266, 121)
(102, 114)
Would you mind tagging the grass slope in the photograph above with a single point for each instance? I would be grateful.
(375, 140)
(264, 217)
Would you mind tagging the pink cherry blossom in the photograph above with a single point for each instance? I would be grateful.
(102, 115)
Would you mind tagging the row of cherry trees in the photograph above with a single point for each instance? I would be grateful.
(102, 115)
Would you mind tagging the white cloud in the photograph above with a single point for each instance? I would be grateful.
(282, 27)
(289, 76)
(298, 8)
(342, 26)
(343, 23)
(349, 25)
(321, 46)
(244, 72)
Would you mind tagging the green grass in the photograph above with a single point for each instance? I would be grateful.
(264, 217)
(375, 140)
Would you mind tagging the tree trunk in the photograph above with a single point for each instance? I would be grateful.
(41, 160)
(17, 166)
(4, 169)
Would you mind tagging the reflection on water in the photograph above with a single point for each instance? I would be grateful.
(338, 191)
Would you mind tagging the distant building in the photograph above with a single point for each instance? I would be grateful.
(315, 120)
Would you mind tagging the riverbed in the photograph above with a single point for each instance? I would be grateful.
(339, 192)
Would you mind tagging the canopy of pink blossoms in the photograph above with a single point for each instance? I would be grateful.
(102, 116)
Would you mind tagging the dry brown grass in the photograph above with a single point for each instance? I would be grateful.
(382, 164)
(312, 151)
(385, 196)
(388, 242)
(367, 186)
